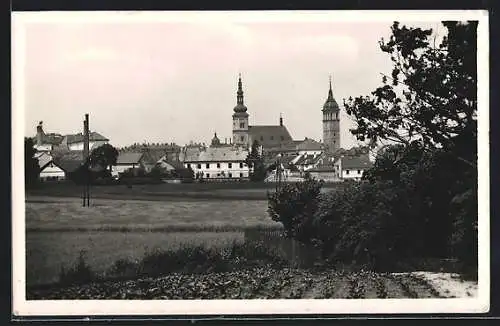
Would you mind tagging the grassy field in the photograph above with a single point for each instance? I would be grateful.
(59, 228)
(48, 252)
(166, 192)
(67, 214)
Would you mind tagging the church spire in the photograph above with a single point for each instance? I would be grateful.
(240, 107)
(330, 104)
(240, 91)
(330, 92)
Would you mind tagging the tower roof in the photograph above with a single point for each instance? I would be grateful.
(215, 140)
(330, 104)
(240, 107)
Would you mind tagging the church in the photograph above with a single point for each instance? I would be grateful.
(326, 159)
(276, 139)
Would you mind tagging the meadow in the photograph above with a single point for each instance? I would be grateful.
(58, 229)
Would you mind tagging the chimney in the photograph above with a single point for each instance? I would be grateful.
(281, 120)
(39, 134)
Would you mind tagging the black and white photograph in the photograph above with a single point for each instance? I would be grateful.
(264, 162)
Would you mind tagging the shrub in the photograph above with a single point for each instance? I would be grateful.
(294, 206)
(79, 273)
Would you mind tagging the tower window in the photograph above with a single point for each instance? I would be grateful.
(208, 175)
(208, 165)
(230, 165)
(218, 165)
(230, 175)
(242, 125)
(241, 165)
(189, 166)
(199, 166)
(346, 171)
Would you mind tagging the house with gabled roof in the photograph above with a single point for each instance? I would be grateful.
(132, 161)
(71, 142)
(226, 162)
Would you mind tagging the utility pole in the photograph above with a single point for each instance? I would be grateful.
(86, 163)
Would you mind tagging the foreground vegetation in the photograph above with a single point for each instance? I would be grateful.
(420, 198)
(238, 271)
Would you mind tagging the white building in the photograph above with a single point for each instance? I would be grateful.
(352, 168)
(130, 161)
(52, 141)
(225, 162)
(49, 170)
(75, 142)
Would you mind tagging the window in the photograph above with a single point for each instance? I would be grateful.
(218, 165)
(208, 165)
(242, 138)
(359, 171)
(346, 171)
(218, 174)
(241, 165)
(207, 175)
(199, 166)
(230, 175)
(242, 125)
(241, 175)
(230, 165)
(189, 165)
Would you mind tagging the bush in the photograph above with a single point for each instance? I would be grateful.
(294, 206)
(411, 204)
(79, 273)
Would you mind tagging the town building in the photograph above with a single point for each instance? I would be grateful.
(218, 162)
(132, 161)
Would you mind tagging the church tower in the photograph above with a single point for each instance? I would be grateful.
(240, 119)
(331, 122)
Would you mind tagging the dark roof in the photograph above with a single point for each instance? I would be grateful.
(270, 136)
(356, 162)
(323, 168)
(78, 138)
(307, 159)
(308, 145)
(129, 158)
(330, 104)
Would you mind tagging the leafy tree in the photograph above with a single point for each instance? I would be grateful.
(294, 206)
(431, 94)
(255, 161)
(104, 156)
(31, 168)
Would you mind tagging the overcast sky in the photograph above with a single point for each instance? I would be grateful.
(176, 81)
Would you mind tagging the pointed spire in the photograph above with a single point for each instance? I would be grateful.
(240, 90)
(330, 92)
(330, 103)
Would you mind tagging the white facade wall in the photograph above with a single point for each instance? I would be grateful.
(92, 144)
(310, 152)
(117, 169)
(219, 169)
(352, 174)
(43, 147)
(52, 172)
